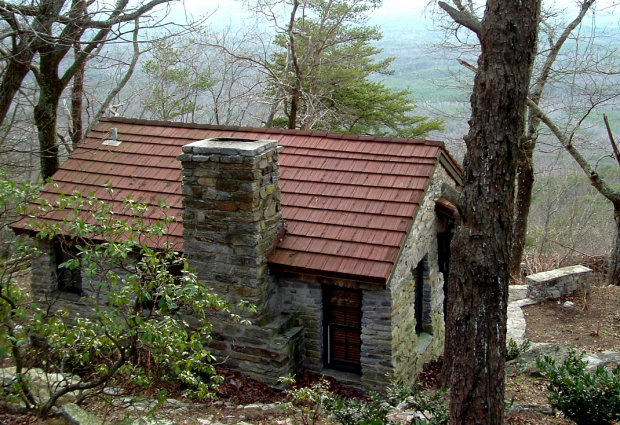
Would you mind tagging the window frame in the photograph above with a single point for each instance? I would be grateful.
(330, 327)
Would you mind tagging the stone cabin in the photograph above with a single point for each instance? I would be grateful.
(341, 241)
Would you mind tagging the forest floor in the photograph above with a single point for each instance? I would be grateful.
(591, 324)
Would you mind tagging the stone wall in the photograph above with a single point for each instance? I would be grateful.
(377, 358)
(412, 350)
(44, 285)
(43, 278)
(559, 282)
(302, 297)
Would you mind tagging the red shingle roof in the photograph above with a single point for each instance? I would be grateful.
(348, 200)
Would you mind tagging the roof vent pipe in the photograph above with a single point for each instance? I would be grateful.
(113, 140)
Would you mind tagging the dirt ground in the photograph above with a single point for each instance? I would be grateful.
(591, 324)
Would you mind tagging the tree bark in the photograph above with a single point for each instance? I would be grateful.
(13, 76)
(613, 275)
(46, 109)
(478, 285)
(77, 93)
(45, 118)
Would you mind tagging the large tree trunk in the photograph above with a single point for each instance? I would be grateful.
(46, 112)
(478, 286)
(45, 117)
(613, 276)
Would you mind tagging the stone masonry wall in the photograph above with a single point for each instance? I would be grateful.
(377, 360)
(43, 279)
(559, 282)
(302, 297)
(44, 285)
(410, 350)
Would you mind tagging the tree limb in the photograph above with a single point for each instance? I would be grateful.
(462, 18)
(612, 141)
(595, 179)
(124, 80)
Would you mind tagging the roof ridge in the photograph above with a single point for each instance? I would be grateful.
(267, 130)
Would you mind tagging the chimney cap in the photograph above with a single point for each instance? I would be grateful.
(230, 146)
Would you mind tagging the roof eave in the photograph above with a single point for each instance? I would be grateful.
(329, 274)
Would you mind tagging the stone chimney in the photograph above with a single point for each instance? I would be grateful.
(232, 218)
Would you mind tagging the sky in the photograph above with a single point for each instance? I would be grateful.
(225, 9)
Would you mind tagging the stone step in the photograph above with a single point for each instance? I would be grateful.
(265, 353)
(517, 292)
(281, 323)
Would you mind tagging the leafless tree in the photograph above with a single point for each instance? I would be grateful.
(53, 40)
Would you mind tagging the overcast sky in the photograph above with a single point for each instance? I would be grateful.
(227, 10)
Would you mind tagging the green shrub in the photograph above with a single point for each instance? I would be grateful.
(307, 404)
(139, 305)
(586, 398)
(431, 404)
(514, 349)
(354, 411)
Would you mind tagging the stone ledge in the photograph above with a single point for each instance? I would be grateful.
(559, 282)
(558, 273)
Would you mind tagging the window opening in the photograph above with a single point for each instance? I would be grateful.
(422, 297)
(343, 321)
(69, 280)
(444, 239)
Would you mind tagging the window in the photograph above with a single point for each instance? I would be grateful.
(422, 297)
(69, 280)
(343, 322)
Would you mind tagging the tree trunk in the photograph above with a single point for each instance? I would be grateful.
(16, 70)
(46, 114)
(523, 201)
(613, 275)
(295, 95)
(478, 286)
(77, 93)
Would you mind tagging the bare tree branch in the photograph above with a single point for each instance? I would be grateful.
(596, 180)
(467, 20)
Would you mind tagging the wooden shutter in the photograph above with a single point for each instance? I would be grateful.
(343, 316)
